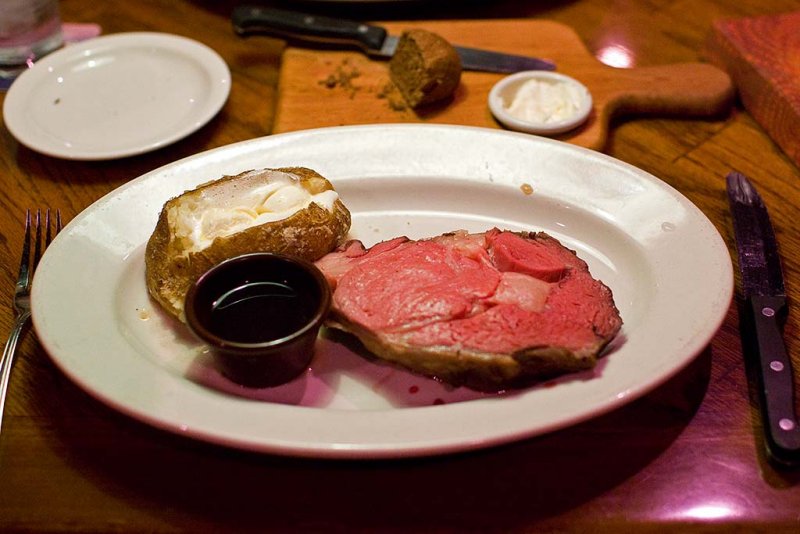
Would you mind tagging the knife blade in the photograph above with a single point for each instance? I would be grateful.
(765, 300)
(375, 41)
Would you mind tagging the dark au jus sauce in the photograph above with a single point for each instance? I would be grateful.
(258, 312)
(261, 314)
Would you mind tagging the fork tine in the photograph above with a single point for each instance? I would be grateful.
(23, 280)
(47, 233)
(37, 246)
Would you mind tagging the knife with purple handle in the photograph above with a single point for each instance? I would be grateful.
(373, 40)
(765, 296)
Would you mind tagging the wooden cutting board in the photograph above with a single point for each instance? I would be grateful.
(320, 87)
(761, 55)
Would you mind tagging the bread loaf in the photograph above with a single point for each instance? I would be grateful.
(425, 68)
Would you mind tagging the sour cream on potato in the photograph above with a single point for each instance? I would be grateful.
(224, 212)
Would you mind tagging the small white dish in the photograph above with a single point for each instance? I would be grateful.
(117, 95)
(563, 102)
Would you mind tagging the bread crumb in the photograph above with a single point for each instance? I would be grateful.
(343, 78)
(393, 97)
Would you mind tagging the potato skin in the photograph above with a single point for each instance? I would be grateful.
(309, 234)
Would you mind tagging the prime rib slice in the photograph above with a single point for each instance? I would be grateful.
(489, 311)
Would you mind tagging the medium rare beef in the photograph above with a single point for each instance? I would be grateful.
(489, 311)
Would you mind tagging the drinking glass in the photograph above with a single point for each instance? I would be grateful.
(29, 29)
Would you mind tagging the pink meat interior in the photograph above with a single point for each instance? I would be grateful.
(496, 292)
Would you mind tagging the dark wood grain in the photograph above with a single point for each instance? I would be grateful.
(687, 456)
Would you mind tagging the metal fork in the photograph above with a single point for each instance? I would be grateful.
(22, 293)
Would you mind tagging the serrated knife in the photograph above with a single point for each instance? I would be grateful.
(765, 298)
(373, 40)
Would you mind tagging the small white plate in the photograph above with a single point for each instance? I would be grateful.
(504, 93)
(667, 265)
(116, 96)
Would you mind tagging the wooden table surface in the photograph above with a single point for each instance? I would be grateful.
(689, 455)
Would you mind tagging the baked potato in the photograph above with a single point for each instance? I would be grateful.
(293, 211)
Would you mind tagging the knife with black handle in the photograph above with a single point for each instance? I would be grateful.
(372, 40)
(765, 297)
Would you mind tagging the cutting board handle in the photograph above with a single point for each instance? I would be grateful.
(693, 89)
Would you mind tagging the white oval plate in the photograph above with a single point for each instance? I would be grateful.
(115, 96)
(669, 269)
